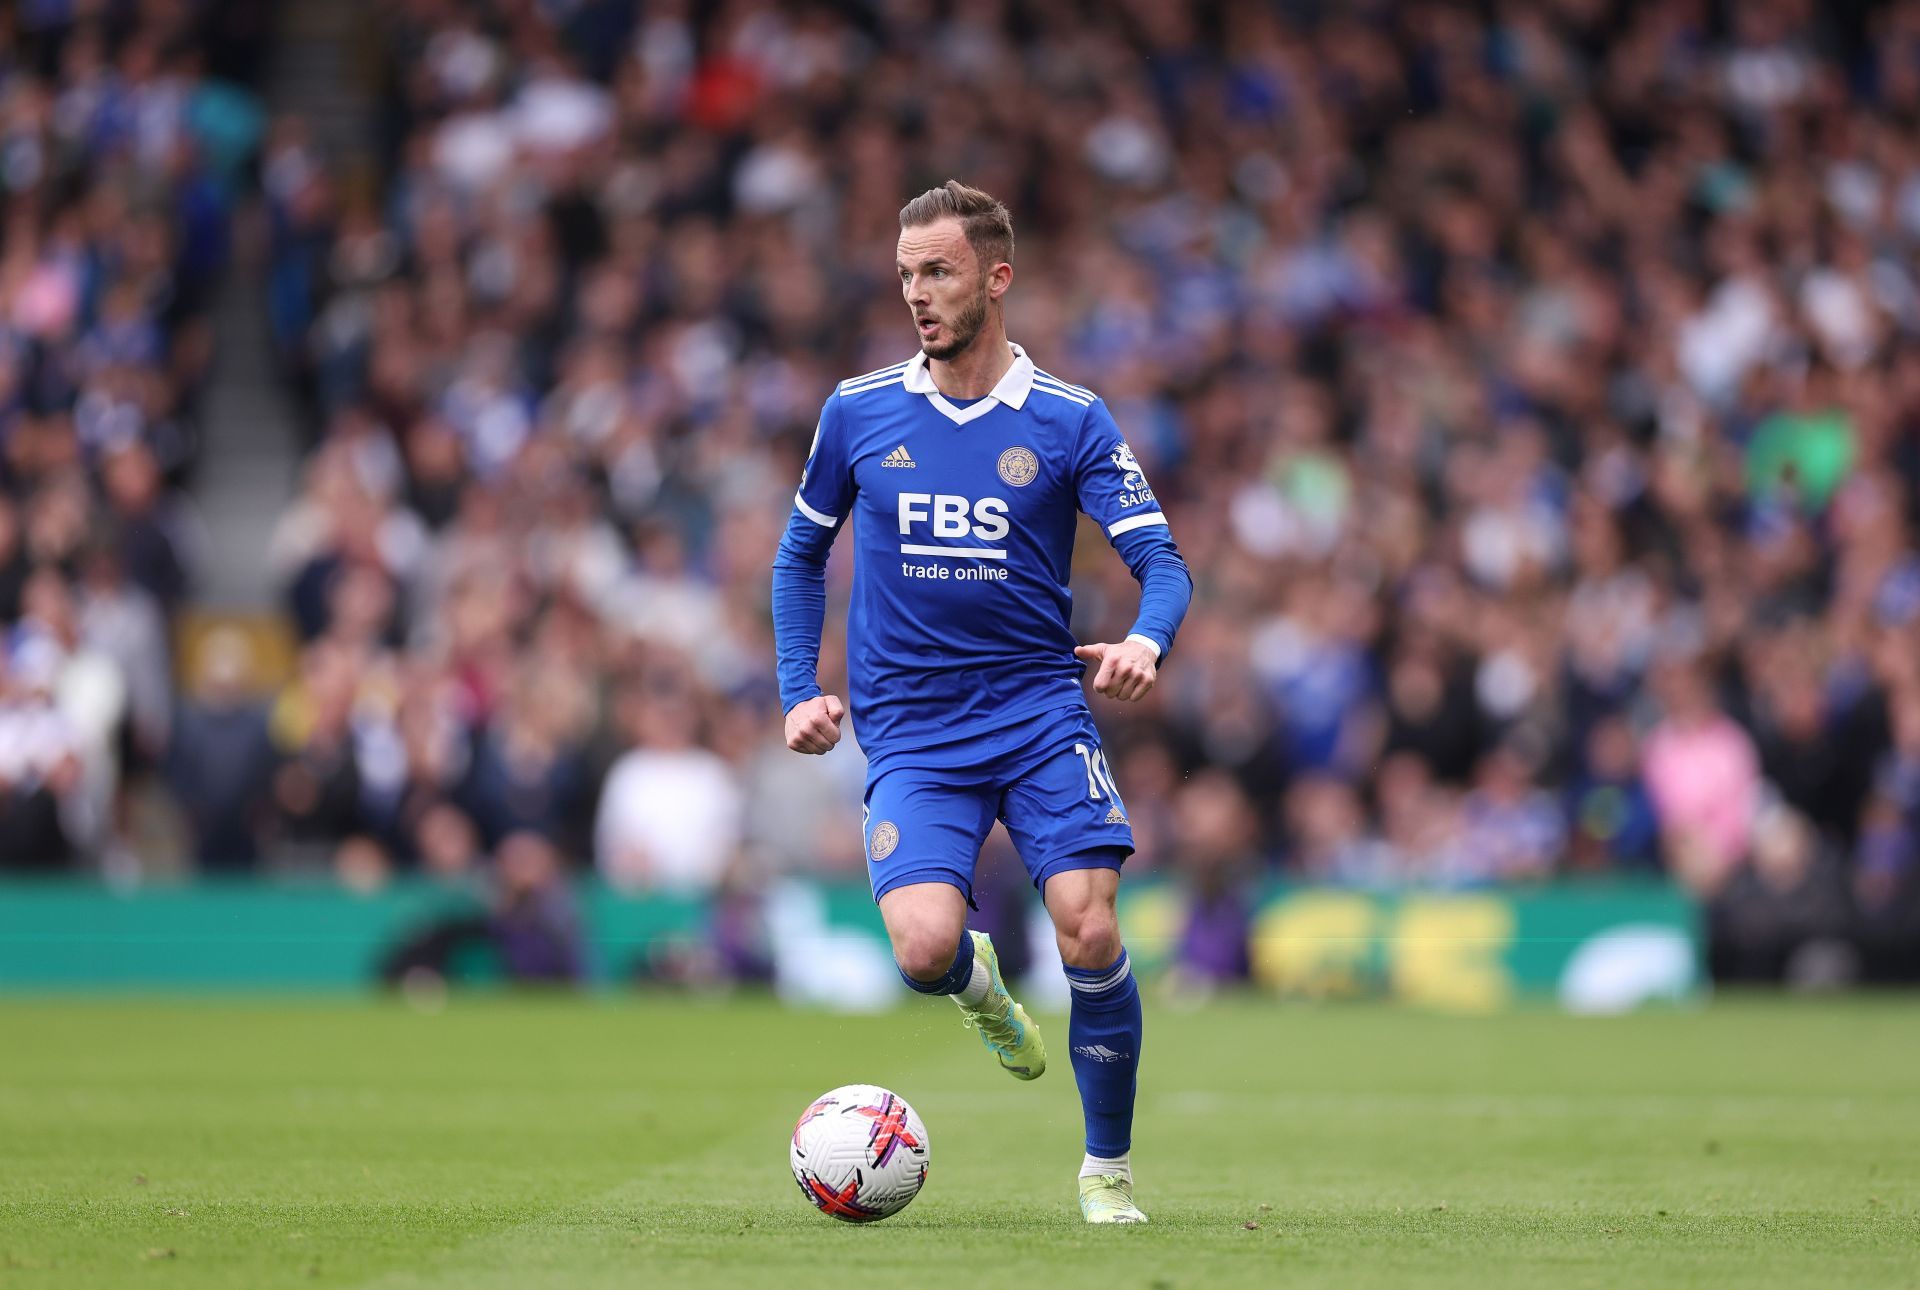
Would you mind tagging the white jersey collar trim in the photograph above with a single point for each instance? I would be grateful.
(1011, 390)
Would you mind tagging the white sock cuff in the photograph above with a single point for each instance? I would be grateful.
(978, 986)
(1107, 980)
(1116, 1166)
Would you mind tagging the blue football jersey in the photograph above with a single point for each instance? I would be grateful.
(963, 521)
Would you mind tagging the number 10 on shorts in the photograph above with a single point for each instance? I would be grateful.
(1098, 776)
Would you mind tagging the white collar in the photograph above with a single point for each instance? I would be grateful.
(1011, 390)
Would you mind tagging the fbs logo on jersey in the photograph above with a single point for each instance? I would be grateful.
(899, 457)
(948, 513)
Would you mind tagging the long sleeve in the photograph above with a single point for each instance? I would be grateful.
(1166, 588)
(1111, 488)
(820, 509)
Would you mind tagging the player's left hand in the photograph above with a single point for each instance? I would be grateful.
(1126, 670)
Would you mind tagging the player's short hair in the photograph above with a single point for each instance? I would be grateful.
(988, 226)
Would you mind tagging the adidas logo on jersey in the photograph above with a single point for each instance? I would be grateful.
(898, 457)
(1114, 816)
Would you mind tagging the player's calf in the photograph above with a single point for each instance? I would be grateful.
(1104, 1035)
(937, 955)
(1004, 1025)
(973, 980)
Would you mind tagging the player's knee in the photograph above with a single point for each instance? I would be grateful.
(1089, 935)
(925, 951)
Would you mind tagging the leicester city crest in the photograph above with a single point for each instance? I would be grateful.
(1018, 466)
(885, 838)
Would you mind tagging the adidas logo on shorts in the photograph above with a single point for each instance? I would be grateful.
(899, 457)
(1114, 816)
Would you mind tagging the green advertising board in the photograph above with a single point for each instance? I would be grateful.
(1600, 946)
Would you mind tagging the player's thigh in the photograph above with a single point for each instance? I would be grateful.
(923, 827)
(1064, 813)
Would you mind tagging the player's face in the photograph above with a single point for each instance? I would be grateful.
(942, 282)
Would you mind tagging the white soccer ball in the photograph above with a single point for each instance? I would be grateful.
(859, 1153)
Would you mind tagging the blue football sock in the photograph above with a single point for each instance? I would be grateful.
(1104, 1032)
(957, 976)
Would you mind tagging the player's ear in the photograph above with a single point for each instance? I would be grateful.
(999, 278)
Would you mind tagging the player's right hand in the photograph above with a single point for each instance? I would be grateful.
(813, 725)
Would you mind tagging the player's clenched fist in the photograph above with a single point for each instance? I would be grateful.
(813, 725)
(1126, 670)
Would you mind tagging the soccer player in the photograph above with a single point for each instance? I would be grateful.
(961, 471)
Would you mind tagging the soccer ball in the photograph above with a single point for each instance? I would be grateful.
(859, 1153)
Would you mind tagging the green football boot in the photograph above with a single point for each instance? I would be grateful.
(1004, 1025)
(1108, 1198)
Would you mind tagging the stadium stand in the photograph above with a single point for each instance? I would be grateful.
(1532, 389)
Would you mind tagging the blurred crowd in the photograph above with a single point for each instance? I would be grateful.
(123, 152)
(1532, 388)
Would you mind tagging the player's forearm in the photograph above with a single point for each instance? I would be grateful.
(800, 603)
(799, 609)
(1166, 588)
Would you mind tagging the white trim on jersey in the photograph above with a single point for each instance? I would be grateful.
(891, 370)
(1043, 388)
(1133, 522)
(1081, 390)
(1045, 382)
(1011, 390)
(959, 415)
(846, 393)
(821, 518)
(957, 552)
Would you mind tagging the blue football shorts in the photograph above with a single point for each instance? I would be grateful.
(1045, 779)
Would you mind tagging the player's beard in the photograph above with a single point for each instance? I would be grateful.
(962, 330)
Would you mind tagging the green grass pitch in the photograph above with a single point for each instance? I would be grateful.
(533, 1142)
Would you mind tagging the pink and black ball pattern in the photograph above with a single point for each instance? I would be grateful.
(859, 1153)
